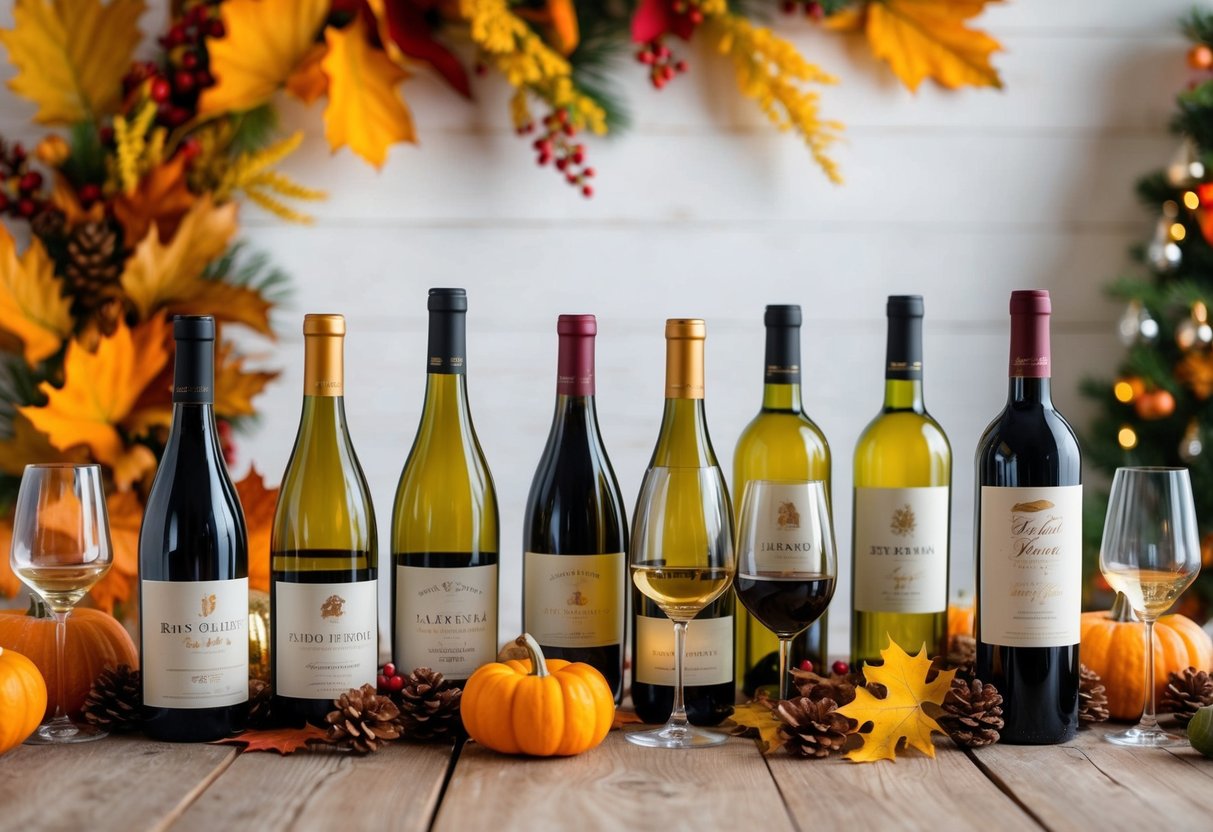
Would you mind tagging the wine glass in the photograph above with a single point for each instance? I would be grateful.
(1151, 553)
(786, 559)
(682, 558)
(61, 547)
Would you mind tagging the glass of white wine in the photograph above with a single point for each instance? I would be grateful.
(1151, 553)
(682, 558)
(61, 547)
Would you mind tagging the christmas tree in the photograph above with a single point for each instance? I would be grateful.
(1158, 409)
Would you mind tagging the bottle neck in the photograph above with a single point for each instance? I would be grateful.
(784, 398)
(194, 373)
(323, 366)
(902, 394)
(446, 400)
(447, 353)
(1031, 358)
(575, 367)
(683, 441)
(781, 369)
(1029, 390)
(903, 364)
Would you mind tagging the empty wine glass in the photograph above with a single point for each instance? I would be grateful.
(61, 547)
(1151, 553)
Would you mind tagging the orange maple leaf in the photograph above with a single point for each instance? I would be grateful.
(29, 445)
(308, 82)
(930, 39)
(623, 718)
(125, 515)
(259, 504)
(283, 740)
(162, 197)
(10, 584)
(234, 387)
(63, 197)
(34, 314)
(98, 396)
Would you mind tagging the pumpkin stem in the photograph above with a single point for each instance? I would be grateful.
(539, 665)
(37, 607)
(1121, 611)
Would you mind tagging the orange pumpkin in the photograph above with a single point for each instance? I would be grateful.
(960, 620)
(537, 706)
(22, 698)
(94, 639)
(1113, 645)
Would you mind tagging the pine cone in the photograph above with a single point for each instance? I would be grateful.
(972, 713)
(813, 729)
(260, 704)
(114, 700)
(1092, 697)
(94, 265)
(363, 720)
(50, 225)
(429, 706)
(1187, 692)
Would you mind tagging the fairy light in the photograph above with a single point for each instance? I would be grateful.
(1178, 232)
(1123, 392)
(1191, 200)
(1127, 437)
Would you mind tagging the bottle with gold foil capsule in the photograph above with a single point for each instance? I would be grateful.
(323, 560)
(780, 443)
(683, 443)
(444, 525)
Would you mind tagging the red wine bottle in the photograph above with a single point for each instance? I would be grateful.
(575, 541)
(1029, 543)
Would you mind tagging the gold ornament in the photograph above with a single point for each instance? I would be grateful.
(1191, 445)
(1127, 438)
(1195, 370)
(259, 635)
(1186, 167)
(1137, 325)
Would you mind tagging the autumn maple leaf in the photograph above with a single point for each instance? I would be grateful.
(259, 504)
(33, 311)
(757, 719)
(162, 197)
(282, 740)
(125, 516)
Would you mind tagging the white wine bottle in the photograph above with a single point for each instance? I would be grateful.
(444, 525)
(323, 566)
(902, 508)
(780, 443)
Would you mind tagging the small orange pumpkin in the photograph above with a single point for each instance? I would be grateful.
(1113, 645)
(94, 639)
(537, 706)
(960, 619)
(22, 698)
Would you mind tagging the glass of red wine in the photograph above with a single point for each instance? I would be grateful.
(786, 560)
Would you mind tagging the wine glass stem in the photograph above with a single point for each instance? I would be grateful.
(678, 716)
(785, 647)
(1148, 719)
(60, 649)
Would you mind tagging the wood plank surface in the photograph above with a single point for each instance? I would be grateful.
(615, 786)
(126, 783)
(325, 789)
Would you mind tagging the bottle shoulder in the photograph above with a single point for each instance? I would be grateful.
(1027, 444)
(907, 431)
(781, 444)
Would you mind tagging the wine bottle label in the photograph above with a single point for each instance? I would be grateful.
(446, 618)
(901, 549)
(195, 643)
(709, 651)
(1030, 593)
(785, 538)
(574, 600)
(326, 638)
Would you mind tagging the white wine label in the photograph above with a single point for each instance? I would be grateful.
(574, 600)
(786, 538)
(195, 643)
(446, 618)
(1030, 562)
(901, 549)
(325, 638)
(709, 651)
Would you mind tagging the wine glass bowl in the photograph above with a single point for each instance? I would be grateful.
(1151, 553)
(60, 549)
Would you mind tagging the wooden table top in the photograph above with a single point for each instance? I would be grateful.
(130, 783)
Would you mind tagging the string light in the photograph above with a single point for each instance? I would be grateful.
(1123, 392)
(1191, 200)
(1127, 437)
(1178, 232)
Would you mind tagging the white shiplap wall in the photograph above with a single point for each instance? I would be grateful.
(702, 210)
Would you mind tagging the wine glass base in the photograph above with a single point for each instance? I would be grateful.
(54, 733)
(1138, 737)
(676, 736)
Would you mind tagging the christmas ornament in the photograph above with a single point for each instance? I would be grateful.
(1163, 253)
(363, 721)
(1136, 325)
(972, 713)
(1127, 389)
(259, 641)
(260, 704)
(1200, 56)
(1190, 445)
(1185, 168)
(114, 700)
(1186, 692)
(1195, 370)
(1206, 551)
(1092, 697)
(1126, 437)
(1158, 404)
(813, 728)
(1194, 330)
(429, 706)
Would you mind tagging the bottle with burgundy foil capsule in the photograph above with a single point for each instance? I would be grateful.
(1029, 543)
(575, 535)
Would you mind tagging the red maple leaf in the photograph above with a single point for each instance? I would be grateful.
(654, 18)
(409, 28)
(283, 740)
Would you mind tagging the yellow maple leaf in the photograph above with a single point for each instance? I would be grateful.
(235, 387)
(227, 302)
(71, 55)
(125, 516)
(900, 715)
(10, 584)
(259, 504)
(308, 82)
(265, 42)
(29, 445)
(929, 39)
(757, 720)
(364, 110)
(99, 393)
(32, 306)
(162, 197)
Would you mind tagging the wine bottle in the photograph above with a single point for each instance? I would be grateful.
(193, 565)
(444, 524)
(575, 537)
(780, 443)
(902, 508)
(683, 442)
(1029, 543)
(323, 565)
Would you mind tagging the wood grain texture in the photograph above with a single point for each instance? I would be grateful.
(324, 789)
(119, 783)
(615, 786)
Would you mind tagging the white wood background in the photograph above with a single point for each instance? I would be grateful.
(703, 211)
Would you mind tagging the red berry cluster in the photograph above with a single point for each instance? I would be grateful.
(661, 62)
(839, 668)
(175, 85)
(389, 680)
(557, 148)
(20, 188)
(811, 8)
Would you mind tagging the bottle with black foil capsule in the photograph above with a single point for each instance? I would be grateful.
(780, 443)
(444, 524)
(1029, 543)
(683, 442)
(193, 565)
(323, 566)
(902, 508)
(575, 538)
